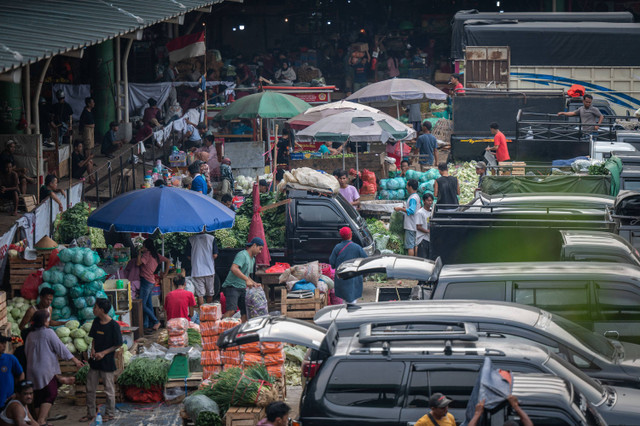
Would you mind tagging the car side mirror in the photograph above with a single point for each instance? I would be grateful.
(612, 334)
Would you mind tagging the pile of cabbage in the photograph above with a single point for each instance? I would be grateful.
(16, 308)
(245, 183)
(395, 188)
(467, 178)
(77, 283)
(75, 337)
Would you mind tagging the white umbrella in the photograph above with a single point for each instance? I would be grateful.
(397, 90)
(343, 104)
(317, 113)
(357, 126)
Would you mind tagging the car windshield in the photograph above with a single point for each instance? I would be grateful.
(593, 341)
(593, 390)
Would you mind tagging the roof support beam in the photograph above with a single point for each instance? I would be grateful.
(78, 53)
(26, 105)
(36, 95)
(136, 35)
(126, 79)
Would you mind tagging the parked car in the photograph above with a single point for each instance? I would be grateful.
(312, 229)
(384, 374)
(608, 360)
(600, 296)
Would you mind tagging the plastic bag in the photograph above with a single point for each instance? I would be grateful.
(208, 329)
(195, 358)
(250, 347)
(275, 358)
(154, 351)
(381, 241)
(195, 404)
(209, 343)
(146, 396)
(270, 347)
(178, 341)
(210, 312)
(29, 289)
(177, 326)
(251, 358)
(65, 255)
(210, 370)
(328, 281)
(275, 371)
(257, 304)
(231, 357)
(308, 272)
(210, 357)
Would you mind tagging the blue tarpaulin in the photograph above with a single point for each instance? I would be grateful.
(492, 387)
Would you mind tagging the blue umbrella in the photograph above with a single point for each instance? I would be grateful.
(165, 209)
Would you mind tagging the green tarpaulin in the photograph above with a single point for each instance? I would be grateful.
(529, 184)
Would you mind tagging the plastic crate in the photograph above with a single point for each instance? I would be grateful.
(178, 159)
(179, 367)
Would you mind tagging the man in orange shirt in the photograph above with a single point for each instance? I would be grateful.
(458, 88)
(499, 143)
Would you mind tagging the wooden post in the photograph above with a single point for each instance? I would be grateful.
(275, 161)
(70, 160)
(38, 149)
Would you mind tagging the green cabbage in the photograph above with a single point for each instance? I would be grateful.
(78, 333)
(66, 340)
(68, 268)
(46, 275)
(72, 325)
(63, 332)
(70, 280)
(80, 344)
(65, 255)
(76, 291)
(59, 302)
(65, 312)
(87, 326)
(80, 303)
(59, 290)
(71, 347)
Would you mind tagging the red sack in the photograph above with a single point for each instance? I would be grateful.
(368, 188)
(29, 289)
(145, 396)
(368, 176)
(53, 259)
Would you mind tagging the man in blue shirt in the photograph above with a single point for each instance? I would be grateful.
(427, 146)
(198, 184)
(109, 142)
(10, 370)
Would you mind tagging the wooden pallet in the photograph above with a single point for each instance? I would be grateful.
(442, 130)
(28, 201)
(244, 416)
(19, 270)
(193, 381)
(302, 308)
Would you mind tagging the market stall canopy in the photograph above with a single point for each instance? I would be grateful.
(317, 113)
(357, 126)
(165, 209)
(38, 29)
(396, 91)
(264, 105)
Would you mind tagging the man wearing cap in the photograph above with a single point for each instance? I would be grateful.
(349, 290)
(235, 286)
(10, 371)
(481, 171)
(439, 414)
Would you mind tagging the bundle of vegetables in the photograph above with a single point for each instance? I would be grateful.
(194, 337)
(81, 375)
(208, 418)
(253, 386)
(16, 309)
(245, 183)
(235, 237)
(468, 179)
(145, 372)
(72, 224)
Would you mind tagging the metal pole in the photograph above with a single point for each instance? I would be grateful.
(110, 188)
(70, 160)
(26, 105)
(36, 96)
(97, 192)
(126, 79)
(121, 175)
(116, 41)
(133, 169)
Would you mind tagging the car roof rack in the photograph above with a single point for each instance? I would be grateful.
(417, 331)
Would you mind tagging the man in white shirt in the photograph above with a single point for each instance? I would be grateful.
(202, 250)
(422, 226)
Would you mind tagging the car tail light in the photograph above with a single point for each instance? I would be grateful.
(310, 368)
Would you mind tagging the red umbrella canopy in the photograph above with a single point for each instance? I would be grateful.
(257, 229)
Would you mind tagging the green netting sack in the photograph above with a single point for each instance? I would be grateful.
(68, 268)
(59, 302)
(91, 258)
(60, 290)
(76, 291)
(44, 285)
(70, 280)
(80, 303)
(78, 256)
(65, 255)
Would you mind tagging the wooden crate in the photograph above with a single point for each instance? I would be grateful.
(192, 382)
(514, 168)
(28, 201)
(244, 416)
(302, 308)
(19, 270)
(67, 368)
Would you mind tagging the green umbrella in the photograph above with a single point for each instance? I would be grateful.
(264, 105)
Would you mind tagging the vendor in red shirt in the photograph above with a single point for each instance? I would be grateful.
(458, 88)
(499, 143)
(180, 302)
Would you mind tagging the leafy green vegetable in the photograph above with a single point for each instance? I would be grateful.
(72, 223)
(208, 418)
(598, 169)
(145, 373)
(81, 375)
(194, 337)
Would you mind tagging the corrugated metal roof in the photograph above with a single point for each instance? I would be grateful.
(32, 30)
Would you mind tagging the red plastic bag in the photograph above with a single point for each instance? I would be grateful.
(368, 176)
(136, 394)
(278, 268)
(575, 91)
(29, 289)
(53, 259)
(368, 188)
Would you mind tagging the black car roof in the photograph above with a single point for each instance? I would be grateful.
(540, 271)
(459, 310)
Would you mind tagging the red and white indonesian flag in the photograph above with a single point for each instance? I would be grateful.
(187, 46)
